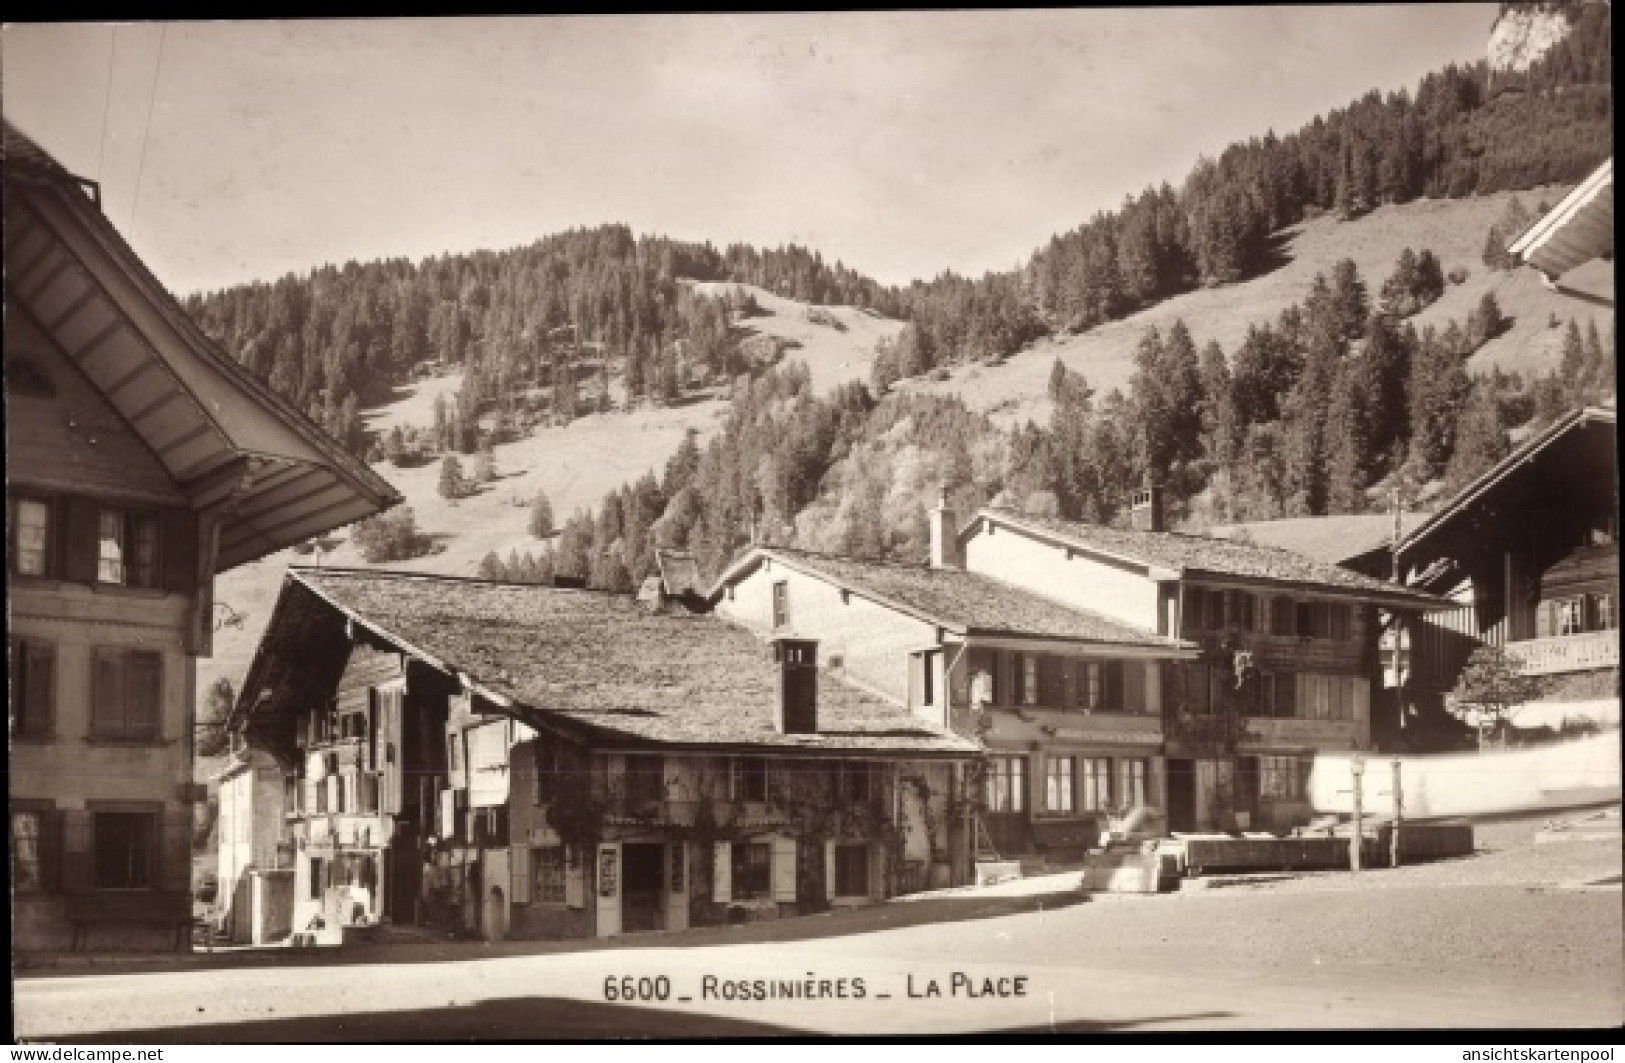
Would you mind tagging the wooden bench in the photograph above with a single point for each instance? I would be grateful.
(130, 906)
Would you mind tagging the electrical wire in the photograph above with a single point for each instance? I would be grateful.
(146, 135)
(107, 99)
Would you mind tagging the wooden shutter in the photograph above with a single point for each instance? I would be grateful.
(1112, 681)
(50, 851)
(107, 693)
(784, 870)
(392, 766)
(143, 705)
(77, 866)
(722, 884)
(39, 693)
(829, 870)
(177, 543)
(1361, 689)
(519, 871)
(174, 848)
(877, 871)
(81, 534)
(1134, 686)
(1546, 620)
(575, 882)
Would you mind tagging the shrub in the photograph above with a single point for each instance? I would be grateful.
(391, 536)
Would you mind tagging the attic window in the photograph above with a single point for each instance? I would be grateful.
(24, 377)
(846, 596)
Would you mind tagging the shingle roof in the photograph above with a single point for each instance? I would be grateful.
(966, 602)
(601, 662)
(1202, 555)
(1333, 539)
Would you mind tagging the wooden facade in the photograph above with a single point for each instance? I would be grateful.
(140, 463)
(1529, 553)
(418, 796)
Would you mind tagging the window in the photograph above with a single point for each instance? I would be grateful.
(367, 794)
(1197, 688)
(851, 870)
(1058, 776)
(547, 865)
(33, 687)
(1281, 616)
(1095, 783)
(30, 537)
(1280, 779)
(316, 876)
(752, 870)
(128, 549)
(1241, 610)
(124, 850)
(1322, 620)
(1007, 784)
(749, 779)
(1029, 678)
(126, 694)
(781, 604)
(1603, 612)
(454, 752)
(1132, 773)
(30, 851)
(853, 783)
(1093, 686)
(1570, 616)
(645, 780)
(928, 678)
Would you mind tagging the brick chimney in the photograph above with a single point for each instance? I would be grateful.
(1145, 508)
(796, 712)
(945, 535)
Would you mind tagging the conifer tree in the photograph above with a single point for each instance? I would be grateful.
(541, 517)
(1480, 439)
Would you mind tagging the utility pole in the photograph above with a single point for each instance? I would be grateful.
(1399, 621)
(1356, 840)
(1399, 812)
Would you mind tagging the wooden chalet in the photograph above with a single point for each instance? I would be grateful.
(141, 461)
(522, 761)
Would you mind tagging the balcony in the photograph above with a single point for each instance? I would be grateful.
(1566, 653)
(1264, 732)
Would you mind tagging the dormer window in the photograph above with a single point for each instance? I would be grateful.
(127, 549)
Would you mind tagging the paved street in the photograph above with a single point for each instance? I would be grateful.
(1506, 939)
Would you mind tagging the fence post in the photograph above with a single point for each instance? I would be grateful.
(1357, 839)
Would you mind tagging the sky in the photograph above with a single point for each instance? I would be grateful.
(900, 143)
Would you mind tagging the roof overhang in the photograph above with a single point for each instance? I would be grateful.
(228, 441)
(1577, 230)
(1491, 479)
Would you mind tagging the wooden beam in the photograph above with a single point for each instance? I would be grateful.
(188, 436)
(153, 405)
(141, 370)
(74, 306)
(102, 335)
(200, 623)
(23, 269)
(51, 277)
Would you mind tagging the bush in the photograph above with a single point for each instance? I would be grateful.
(391, 536)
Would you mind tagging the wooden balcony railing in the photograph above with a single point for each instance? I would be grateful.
(1566, 653)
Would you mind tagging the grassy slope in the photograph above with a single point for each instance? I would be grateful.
(1453, 229)
(575, 465)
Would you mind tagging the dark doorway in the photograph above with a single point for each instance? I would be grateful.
(642, 906)
(405, 879)
(1181, 795)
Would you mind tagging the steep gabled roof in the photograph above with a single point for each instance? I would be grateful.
(1333, 539)
(1577, 230)
(1182, 556)
(615, 674)
(223, 436)
(1493, 478)
(966, 603)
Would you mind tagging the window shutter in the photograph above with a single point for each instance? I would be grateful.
(574, 878)
(40, 673)
(81, 531)
(722, 885)
(1133, 686)
(877, 871)
(829, 870)
(77, 868)
(178, 542)
(1361, 689)
(519, 871)
(107, 694)
(143, 707)
(1113, 682)
(784, 870)
(174, 848)
(50, 851)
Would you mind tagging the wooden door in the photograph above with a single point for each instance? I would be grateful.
(1181, 795)
(607, 888)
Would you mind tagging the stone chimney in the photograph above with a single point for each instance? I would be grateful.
(945, 535)
(1145, 508)
(796, 712)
